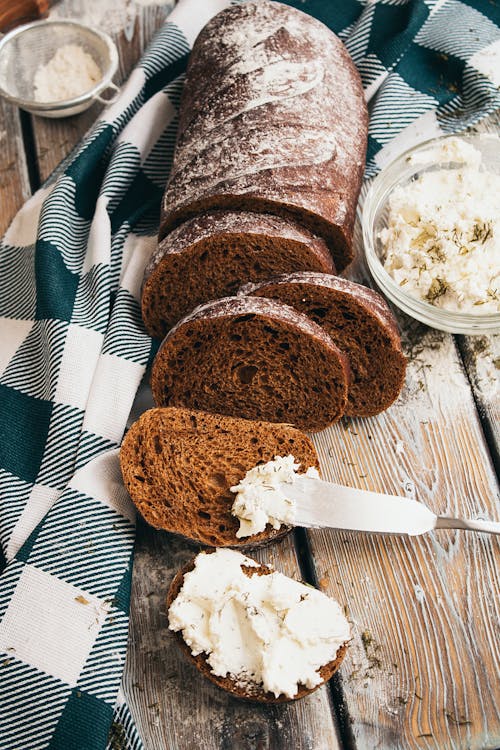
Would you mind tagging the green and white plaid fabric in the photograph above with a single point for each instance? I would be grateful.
(73, 349)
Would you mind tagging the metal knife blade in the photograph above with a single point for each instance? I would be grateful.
(324, 504)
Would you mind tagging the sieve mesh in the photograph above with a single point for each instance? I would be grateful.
(23, 53)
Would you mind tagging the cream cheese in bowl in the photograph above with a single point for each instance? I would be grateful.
(442, 239)
(431, 227)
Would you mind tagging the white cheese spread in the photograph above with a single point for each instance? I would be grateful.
(442, 239)
(260, 499)
(264, 629)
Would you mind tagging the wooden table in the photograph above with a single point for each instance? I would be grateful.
(422, 671)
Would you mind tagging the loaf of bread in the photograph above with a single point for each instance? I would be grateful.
(247, 691)
(252, 357)
(272, 119)
(212, 255)
(359, 321)
(178, 465)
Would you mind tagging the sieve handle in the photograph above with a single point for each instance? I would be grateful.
(112, 98)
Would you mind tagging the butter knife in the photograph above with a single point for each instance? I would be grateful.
(324, 504)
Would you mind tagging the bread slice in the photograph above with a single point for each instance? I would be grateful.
(359, 321)
(212, 255)
(255, 358)
(178, 466)
(272, 119)
(248, 691)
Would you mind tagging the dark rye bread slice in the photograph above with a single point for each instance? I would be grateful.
(178, 466)
(361, 324)
(212, 255)
(272, 119)
(255, 358)
(246, 691)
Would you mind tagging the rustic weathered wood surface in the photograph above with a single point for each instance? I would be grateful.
(14, 181)
(423, 667)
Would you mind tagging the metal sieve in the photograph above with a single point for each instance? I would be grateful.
(27, 47)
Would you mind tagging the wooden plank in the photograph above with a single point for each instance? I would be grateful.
(54, 139)
(14, 180)
(422, 670)
(131, 26)
(174, 706)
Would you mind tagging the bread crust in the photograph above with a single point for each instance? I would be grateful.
(178, 465)
(251, 692)
(210, 256)
(279, 126)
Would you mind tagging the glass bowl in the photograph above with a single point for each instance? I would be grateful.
(27, 47)
(374, 215)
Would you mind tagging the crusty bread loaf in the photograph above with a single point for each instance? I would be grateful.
(252, 357)
(249, 691)
(272, 119)
(359, 321)
(212, 255)
(178, 466)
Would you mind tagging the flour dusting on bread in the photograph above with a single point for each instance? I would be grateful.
(279, 125)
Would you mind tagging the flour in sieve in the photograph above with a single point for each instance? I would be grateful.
(69, 73)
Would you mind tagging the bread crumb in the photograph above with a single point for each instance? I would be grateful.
(81, 599)
(323, 582)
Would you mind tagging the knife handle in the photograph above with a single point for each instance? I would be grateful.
(490, 527)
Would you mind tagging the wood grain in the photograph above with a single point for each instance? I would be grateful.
(14, 180)
(422, 671)
(173, 704)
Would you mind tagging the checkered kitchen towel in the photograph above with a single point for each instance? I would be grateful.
(73, 349)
